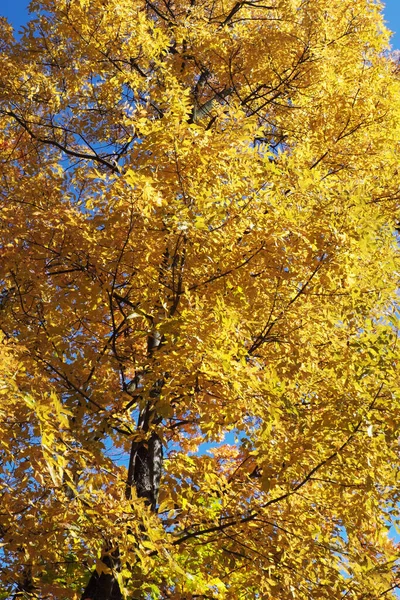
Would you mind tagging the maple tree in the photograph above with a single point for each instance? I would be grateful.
(198, 243)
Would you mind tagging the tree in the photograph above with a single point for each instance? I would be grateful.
(198, 243)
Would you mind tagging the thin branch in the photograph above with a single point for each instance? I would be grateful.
(232, 270)
(86, 156)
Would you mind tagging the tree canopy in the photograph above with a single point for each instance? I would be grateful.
(199, 202)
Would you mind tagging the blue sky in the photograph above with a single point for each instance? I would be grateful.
(15, 11)
(392, 15)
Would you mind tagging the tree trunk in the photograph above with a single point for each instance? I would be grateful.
(103, 586)
(144, 472)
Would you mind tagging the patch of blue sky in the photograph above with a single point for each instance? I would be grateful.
(16, 12)
(391, 11)
(230, 438)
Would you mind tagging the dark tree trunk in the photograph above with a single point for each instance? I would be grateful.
(144, 472)
(147, 469)
(104, 586)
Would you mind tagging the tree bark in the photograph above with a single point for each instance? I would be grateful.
(144, 472)
(103, 586)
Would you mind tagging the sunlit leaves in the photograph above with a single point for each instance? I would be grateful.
(198, 212)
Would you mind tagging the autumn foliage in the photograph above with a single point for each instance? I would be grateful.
(199, 203)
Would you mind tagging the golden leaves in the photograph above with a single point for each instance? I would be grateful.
(232, 277)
